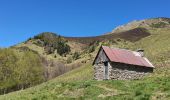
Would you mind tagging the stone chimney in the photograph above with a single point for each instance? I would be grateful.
(141, 52)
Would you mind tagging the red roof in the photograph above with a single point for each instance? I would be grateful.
(126, 56)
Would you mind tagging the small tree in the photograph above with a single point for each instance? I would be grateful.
(63, 48)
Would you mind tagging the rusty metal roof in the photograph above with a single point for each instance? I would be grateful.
(126, 56)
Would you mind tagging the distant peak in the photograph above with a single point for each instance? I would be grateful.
(159, 22)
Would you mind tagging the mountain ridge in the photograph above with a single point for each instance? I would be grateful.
(146, 23)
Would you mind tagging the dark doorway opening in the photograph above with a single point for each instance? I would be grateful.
(106, 74)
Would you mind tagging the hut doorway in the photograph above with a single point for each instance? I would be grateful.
(106, 74)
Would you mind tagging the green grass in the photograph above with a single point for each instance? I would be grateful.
(83, 73)
(79, 83)
(156, 46)
(74, 85)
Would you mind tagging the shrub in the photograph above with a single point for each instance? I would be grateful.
(138, 92)
(76, 56)
(69, 60)
(29, 39)
(91, 49)
(159, 25)
(62, 48)
(55, 56)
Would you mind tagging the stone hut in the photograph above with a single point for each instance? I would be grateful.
(120, 64)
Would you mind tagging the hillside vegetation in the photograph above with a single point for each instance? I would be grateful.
(79, 83)
(151, 35)
(51, 43)
(19, 69)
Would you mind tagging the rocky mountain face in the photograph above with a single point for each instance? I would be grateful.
(147, 24)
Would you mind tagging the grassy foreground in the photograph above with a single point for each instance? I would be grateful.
(81, 86)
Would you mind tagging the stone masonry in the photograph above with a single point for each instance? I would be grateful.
(119, 71)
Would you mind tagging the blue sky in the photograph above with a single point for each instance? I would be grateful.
(21, 19)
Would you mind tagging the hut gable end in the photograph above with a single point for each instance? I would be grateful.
(101, 57)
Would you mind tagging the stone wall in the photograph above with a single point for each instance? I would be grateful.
(128, 72)
(99, 71)
(119, 71)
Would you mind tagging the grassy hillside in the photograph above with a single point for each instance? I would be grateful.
(156, 46)
(155, 87)
(79, 83)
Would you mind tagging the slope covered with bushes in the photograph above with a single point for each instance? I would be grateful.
(19, 69)
(52, 42)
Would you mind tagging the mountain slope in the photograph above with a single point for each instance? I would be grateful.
(79, 84)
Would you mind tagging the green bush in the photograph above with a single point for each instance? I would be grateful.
(69, 60)
(91, 49)
(159, 25)
(138, 92)
(76, 56)
(62, 48)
